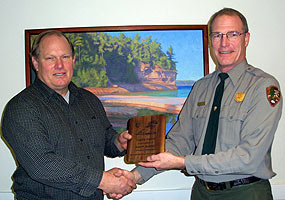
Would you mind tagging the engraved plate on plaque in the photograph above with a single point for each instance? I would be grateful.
(148, 137)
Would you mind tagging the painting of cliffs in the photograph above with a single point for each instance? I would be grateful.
(138, 72)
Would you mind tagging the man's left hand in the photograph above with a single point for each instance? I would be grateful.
(164, 161)
(122, 140)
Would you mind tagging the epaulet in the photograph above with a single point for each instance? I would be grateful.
(256, 71)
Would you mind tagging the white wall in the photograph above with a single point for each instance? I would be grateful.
(266, 51)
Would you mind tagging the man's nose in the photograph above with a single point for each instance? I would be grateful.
(59, 63)
(224, 40)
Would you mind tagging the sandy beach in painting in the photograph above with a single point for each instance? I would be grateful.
(162, 104)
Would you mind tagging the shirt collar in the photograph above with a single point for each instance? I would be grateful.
(45, 90)
(66, 97)
(236, 72)
(50, 93)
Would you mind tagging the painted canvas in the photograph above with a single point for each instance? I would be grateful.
(138, 72)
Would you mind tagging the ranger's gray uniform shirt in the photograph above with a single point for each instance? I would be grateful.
(250, 112)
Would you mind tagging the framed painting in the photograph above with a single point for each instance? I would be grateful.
(135, 70)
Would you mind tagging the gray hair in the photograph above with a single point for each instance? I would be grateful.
(35, 52)
(230, 12)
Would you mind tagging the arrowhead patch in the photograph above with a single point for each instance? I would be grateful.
(273, 95)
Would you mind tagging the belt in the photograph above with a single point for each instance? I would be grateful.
(226, 185)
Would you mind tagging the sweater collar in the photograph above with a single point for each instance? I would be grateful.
(50, 93)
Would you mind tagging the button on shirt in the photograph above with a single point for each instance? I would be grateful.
(247, 124)
(59, 146)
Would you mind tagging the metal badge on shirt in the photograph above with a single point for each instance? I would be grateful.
(273, 95)
(239, 96)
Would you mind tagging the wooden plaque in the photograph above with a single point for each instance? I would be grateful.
(148, 137)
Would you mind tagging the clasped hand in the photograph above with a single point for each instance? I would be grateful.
(117, 183)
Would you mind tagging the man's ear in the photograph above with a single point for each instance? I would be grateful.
(247, 36)
(73, 60)
(35, 63)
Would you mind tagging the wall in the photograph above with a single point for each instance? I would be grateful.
(266, 50)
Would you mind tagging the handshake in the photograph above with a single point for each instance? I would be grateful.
(117, 182)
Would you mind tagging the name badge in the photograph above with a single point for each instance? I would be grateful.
(202, 103)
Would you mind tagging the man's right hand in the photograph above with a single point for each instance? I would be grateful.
(132, 175)
(115, 181)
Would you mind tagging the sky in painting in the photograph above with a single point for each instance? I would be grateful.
(187, 47)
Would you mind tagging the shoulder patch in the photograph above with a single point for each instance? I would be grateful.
(273, 95)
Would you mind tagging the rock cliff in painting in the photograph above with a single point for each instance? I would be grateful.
(117, 64)
(150, 79)
(156, 78)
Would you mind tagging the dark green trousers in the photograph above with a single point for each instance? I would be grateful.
(260, 190)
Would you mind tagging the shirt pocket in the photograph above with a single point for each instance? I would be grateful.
(199, 118)
(230, 125)
(95, 132)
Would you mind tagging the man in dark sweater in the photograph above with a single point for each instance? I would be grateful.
(60, 133)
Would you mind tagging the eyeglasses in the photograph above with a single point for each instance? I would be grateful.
(232, 35)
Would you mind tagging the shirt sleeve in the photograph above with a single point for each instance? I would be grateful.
(26, 134)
